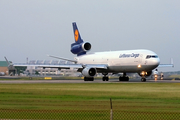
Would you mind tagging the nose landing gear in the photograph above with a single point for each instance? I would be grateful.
(144, 74)
(143, 79)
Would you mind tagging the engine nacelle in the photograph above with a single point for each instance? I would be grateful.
(143, 73)
(89, 72)
(155, 72)
(80, 48)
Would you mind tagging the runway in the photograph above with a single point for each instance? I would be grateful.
(82, 81)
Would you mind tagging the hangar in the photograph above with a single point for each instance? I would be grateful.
(5, 69)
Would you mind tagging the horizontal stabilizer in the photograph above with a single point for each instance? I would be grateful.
(62, 58)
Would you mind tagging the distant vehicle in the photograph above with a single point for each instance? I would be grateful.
(139, 61)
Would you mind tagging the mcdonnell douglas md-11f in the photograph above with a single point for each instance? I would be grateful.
(139, 61)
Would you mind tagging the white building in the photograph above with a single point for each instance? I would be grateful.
(32, 70)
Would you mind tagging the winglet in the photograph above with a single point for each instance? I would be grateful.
(172, 62)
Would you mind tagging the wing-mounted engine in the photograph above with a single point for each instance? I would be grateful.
(80, 49)
(146, 74)
(155, 73)
(89, 72)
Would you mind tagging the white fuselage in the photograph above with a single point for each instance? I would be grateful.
(122, 61)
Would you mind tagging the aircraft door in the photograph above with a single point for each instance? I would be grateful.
(140, 58)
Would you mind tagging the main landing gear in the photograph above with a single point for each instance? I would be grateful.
(124, 77)
(88, 78)
(121, 78)
(105, 78)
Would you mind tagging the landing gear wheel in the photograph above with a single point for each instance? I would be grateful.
(88, 78)
(127, 78)
(105, 78)
(120, 78)
(123, 78)
(92, 79)
(143, 79)
(85, 79)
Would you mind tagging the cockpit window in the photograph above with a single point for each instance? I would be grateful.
(148, 56)
(151, 56)
(154, 56)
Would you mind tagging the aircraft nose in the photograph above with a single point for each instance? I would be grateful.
(156, 61)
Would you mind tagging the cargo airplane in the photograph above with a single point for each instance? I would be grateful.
(139, 61)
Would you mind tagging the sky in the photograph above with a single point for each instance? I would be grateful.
(35, 28)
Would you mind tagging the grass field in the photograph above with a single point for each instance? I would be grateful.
(175, 76)
(90, 101)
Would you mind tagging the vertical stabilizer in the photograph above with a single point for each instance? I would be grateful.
(77, 36)
(79, 47)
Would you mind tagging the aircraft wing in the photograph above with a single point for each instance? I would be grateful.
(64, 66)
(166, 65)
(100, 66)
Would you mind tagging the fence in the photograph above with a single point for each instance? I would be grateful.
(100, 114)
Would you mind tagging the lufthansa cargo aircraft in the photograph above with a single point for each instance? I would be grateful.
(139, 61)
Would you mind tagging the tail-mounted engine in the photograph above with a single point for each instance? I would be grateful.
(80, 49)
(89, 72)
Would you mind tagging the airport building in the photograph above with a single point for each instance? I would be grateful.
(5, 69)
(40, 71)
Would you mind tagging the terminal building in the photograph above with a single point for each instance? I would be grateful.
(33, 70)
